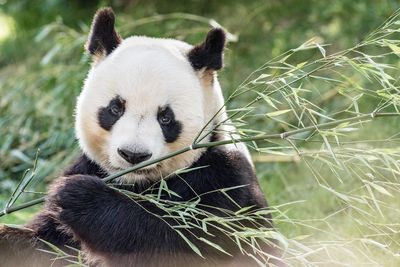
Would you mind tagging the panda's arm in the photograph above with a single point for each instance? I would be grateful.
(107, 221)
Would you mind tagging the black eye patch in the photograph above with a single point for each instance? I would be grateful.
(109, 115)
(170, 127)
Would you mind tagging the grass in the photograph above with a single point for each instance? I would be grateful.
(42, 69)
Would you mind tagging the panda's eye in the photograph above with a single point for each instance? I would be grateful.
(116, 110)
(165, 120)
(165, 116)
(110, 114)
(171, 128)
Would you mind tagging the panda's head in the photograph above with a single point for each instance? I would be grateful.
(145, 98)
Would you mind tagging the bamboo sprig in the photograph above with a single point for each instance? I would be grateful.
(194, 146)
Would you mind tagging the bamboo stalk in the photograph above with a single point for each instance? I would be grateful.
(194, 146)
(22, 206)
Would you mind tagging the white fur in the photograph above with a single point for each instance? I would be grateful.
(148, 73)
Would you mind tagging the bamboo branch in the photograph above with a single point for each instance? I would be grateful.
(194, 146)
(22, 206)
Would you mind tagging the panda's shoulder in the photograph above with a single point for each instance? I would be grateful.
(226, 159)
(227, 169)
(221, 167)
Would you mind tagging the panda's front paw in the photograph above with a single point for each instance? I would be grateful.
(72, 197)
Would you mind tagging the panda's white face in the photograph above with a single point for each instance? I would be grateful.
(145, 98)
(142, 102)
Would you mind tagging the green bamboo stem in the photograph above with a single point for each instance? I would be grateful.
(22, 206)
(194, 146)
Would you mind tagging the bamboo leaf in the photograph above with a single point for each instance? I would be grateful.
(191, 245)
(277, 113)
(214, 245)
(378, 188)
(394, 48)
(321, 49)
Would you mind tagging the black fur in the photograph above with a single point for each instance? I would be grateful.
(171, 130)
(107, 116)
(45, 225)
(48, 228)
(103, 38)
(209, 54)
(84, 165)
(106, 221)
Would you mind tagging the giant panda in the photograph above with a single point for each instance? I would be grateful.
(144, 98)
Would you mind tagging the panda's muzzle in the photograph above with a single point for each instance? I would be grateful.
(134, 157)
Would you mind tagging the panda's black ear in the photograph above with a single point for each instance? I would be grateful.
(103, 38)
(209, 54)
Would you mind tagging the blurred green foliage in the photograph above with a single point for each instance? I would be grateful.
(42, 68)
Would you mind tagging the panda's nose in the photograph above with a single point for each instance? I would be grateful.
(133, 156)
